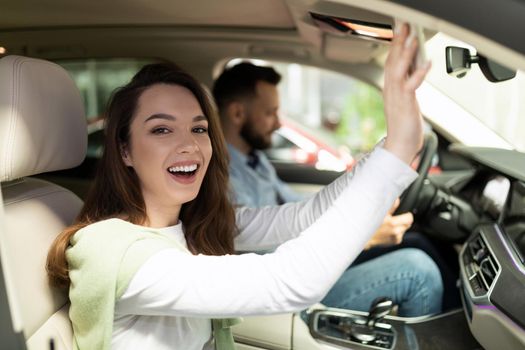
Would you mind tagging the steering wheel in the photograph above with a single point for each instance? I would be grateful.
(408, 199)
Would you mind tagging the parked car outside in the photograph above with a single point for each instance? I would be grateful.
(294, 144)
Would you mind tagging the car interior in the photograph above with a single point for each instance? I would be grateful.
(32, 148)
(475, 203)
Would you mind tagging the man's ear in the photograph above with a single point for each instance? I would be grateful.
(236, 112)
(125, 155)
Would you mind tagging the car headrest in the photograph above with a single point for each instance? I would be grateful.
(42, 120)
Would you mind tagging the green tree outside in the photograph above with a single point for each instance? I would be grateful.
(362, 119)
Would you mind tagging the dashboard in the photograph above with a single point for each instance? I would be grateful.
(494, 195)
(488, 210)
(482, 209)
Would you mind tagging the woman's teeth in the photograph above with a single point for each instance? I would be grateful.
(183, 169)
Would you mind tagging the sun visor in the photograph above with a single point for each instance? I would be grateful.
(351, 50)
(343, 20)
(351, 34)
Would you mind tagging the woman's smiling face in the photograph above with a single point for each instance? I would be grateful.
(169, 147)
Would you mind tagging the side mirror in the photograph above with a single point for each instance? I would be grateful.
(459, 61)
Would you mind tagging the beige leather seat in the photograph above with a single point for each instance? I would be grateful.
(42, 128)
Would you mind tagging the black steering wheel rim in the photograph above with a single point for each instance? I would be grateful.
(408, 199)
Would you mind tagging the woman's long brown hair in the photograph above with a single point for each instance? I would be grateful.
(209, 219)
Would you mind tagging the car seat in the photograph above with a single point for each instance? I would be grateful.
(42, 128)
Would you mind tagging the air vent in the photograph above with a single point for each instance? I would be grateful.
(488, 271)
(478, 249)
(480, 266)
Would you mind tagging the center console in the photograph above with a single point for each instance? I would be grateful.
(345, 329)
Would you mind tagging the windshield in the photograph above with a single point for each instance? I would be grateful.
(499, 106)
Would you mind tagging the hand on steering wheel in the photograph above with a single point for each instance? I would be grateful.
(410, 196)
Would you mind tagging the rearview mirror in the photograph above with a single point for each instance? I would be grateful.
(493, 71)
(459, 61)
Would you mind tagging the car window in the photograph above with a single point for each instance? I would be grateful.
(328, 118)
(96, 80)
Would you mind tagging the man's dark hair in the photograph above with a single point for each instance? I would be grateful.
(239, 82)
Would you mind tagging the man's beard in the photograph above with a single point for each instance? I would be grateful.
(255, 139)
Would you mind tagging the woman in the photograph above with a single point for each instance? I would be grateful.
(148, 263)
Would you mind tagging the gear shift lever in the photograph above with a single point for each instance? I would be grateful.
(379, 308)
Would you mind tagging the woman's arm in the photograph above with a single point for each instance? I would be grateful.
(265, 228)
(296, 275)
(302, 270)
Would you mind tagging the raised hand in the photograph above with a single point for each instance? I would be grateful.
(403, 118)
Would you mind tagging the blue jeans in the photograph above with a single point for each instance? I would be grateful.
(408, 276)
(443, 254)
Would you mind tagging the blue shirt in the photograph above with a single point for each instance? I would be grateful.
(259, 186)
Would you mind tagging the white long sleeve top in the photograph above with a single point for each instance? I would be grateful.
(170, 300)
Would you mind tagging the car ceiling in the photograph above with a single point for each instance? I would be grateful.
(247, 13)
(198, 34)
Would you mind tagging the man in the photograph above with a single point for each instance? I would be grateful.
(248, 104)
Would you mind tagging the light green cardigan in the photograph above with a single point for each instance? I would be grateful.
(102, 259)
